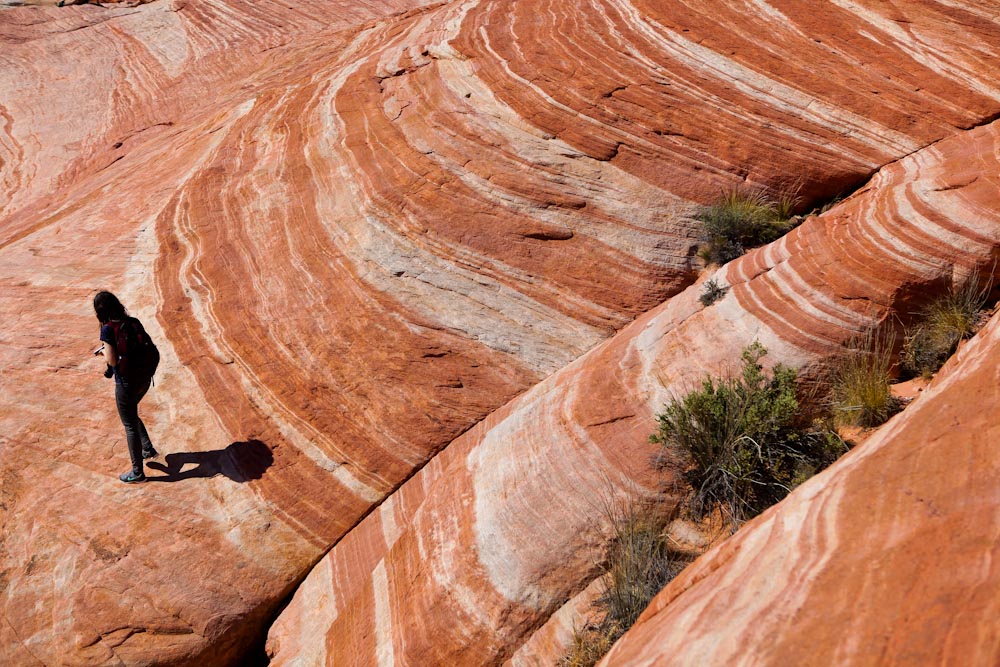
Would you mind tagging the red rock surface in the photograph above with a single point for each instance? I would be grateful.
(355, 235)
(485, 543)
(888, 558)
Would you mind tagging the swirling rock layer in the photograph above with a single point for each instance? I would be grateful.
(485, 543)
(357, 229)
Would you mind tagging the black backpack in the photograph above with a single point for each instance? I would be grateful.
(137, 354)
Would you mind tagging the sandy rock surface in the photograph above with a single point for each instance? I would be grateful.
(356, 229)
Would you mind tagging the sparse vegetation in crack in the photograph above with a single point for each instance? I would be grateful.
(743, 443)
(941, 325)
(742, 219)
(640, 562)
(860, 394)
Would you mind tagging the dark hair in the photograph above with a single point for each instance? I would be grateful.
(108, 307)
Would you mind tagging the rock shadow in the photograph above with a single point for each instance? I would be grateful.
(241, 462)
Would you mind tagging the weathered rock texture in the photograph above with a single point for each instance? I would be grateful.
(357, 229)
(888, 558)
(482, 545)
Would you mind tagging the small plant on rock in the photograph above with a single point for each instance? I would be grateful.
(746, 441)
(940, 326)
(742, 219)
(860, 394)
(640, 563)
(711, 293)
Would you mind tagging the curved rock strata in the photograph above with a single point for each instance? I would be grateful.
(355, 235)
(476, 551)
(888, 558)
(86, 86)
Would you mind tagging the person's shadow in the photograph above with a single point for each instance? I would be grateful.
(240, 462)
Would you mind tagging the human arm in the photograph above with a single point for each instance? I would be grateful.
(110, 356)
(107, 348)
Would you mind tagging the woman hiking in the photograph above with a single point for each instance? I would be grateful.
(126, 349)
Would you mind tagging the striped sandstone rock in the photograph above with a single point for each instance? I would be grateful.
(357, 229)
(487, 542)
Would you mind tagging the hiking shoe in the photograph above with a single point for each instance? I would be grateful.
(150, 453)
(132, 477)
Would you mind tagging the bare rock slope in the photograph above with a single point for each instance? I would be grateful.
(357, 229)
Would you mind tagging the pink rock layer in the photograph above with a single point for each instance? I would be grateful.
(482, 546)
(888, 558)
(355, 237)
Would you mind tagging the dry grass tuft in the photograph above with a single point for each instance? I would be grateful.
(590, 644)
(860, 394)
(640, 563)
(941, 325)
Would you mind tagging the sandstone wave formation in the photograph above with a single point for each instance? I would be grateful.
(359, 230)
(450, 544)
(888, 558)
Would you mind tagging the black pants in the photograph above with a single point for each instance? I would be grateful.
(127, 396)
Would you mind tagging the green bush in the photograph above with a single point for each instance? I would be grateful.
(711, 293)
(640, 563)
(743, 219)
(860, 394)
(940, 326)
(747, 443)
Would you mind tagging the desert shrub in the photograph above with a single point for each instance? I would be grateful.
(940, 326)
(742, 219)
(860, 394)
(640, 563)
(711, 293)
(747, 443)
